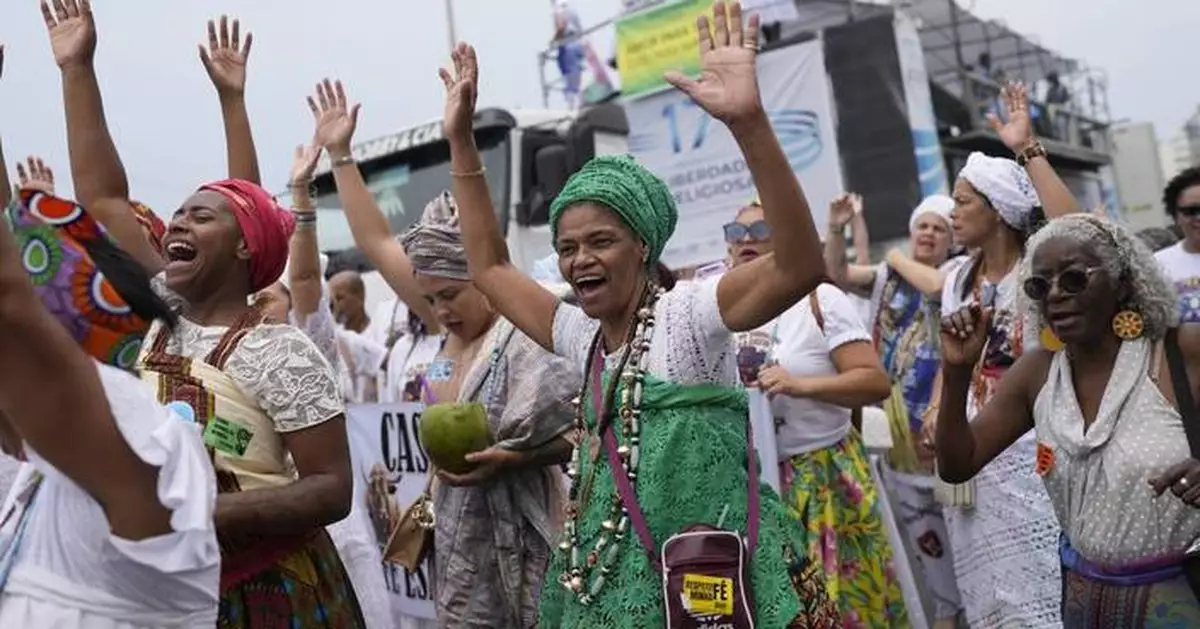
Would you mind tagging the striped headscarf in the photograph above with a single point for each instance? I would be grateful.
(434, 245)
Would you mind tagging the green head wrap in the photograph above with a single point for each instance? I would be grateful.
(639, 197)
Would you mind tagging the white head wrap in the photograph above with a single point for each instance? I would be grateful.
(937, 204)
(1005, 185)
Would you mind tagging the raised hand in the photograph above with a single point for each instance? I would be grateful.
(728, 86)
(226, 55)
(304, 163)
(1016, 131)
(841, 210)
(462, 90)
(964, 333)
(72, 31)
(335, 121)
(36, 176)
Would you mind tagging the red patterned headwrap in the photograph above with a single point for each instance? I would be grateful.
(154, 226)
(266, 227)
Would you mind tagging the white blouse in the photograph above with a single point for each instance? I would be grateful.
(803, 350)
(691, 344)
(70, 571)
(1098, 480)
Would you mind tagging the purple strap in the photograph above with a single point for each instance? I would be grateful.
(625, 486)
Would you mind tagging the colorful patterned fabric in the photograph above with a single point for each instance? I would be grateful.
(831, 493)
(50, 233)
(1088, 604)
(154, 226)
(309, 589)
(906, 342)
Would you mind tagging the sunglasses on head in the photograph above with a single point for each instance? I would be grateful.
(737, 232)
(1189, 211)
(1070, 282)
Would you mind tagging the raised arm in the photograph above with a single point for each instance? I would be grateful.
(96, 168)
(754, 294)
(304, 258)
(925, 278)
(858, 279)
(524, 302)
(964, 447)
(335, 123)
(225, 61)
(1017, 134)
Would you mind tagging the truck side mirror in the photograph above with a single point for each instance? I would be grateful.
(552, 168)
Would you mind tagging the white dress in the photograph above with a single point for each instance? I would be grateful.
(1006, 547)
(351, 536)
(71, 572)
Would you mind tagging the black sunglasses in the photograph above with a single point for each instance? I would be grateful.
(1070, 282)
(737, 232)
(1188, 210)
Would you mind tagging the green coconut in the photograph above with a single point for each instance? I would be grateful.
(451, 431)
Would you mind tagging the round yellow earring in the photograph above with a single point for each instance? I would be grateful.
(1128, 325)
(1050, 340)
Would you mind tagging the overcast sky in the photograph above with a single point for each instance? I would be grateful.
(164, 115)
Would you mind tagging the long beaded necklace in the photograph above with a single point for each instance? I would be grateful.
(580, 577)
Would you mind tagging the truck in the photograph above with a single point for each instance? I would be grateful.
(528, 155)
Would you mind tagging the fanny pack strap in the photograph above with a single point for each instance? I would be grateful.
(629, 496)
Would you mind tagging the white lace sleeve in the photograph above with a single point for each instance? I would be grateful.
(281, 369)
(320, 326)
(573, 333)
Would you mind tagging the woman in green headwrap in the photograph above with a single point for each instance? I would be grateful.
(679, 424)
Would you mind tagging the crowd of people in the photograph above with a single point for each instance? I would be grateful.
(1037, 366)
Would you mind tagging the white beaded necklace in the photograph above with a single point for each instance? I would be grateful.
(582, 568)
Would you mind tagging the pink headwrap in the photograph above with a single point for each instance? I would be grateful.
(266, 227)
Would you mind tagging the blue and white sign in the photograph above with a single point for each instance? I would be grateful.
(927, 147)
(701, 162)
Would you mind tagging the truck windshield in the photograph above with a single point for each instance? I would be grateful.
(404, 182)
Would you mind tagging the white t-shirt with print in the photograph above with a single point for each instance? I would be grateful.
(1183, 269)
(803, 350)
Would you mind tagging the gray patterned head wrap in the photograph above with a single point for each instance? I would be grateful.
(434, 245)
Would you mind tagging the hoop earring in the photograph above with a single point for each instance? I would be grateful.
(1128, 325)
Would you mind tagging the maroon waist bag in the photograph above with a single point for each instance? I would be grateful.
(705, 570)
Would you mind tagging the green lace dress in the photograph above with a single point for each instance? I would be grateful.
(692, 468)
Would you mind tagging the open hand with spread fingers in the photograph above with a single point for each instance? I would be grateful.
(35, 175)
(727, 87)
(72, 31)
(335, 120)
(226, 55)
(462, 91)
(1016, 130)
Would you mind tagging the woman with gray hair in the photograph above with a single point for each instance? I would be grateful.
(1110, 440)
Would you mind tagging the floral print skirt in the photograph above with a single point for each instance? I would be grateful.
(831, 493)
